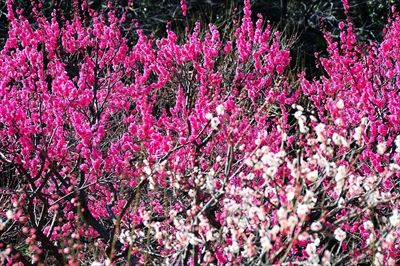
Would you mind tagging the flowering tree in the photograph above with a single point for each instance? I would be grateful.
(204, 152)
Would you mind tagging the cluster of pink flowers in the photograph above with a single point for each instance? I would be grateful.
(184, 7)
(201, 152)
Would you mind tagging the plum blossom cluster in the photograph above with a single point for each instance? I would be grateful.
(202, 152)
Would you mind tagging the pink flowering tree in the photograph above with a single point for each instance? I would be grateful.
(200, 152)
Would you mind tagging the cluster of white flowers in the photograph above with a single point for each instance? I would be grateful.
(370, 182)
(313, 168)
(301, 119)
(266, 243)
(126, 237)
(106, 262)
(215, 120)
(210, 181)
(378, 259)
(340, 140)
(359, 130)
(355, 184)
(340, 179)
(311, 250)
(326, 259)
(264, 160)
(302, 210)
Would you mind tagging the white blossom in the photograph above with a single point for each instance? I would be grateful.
(369, 182)
(249, 162)
(234, 248)
(316, 226)
(395, 218)
(344, 142)
(378, 259)
(317, 241)
(340, 104)
(340, 235)
(303, 236)
(391, 262)
(9, 214)
(282, 213)
(289, 193)
(326, 259)
(303, 129)
(302, 210)
(371, 239)
(266, 243)
(397, 142)
(319, 129)
(341, 203)
(259, 166)
(357, 133)
(312, 176)
(214, 122)
(394, 167)
(2, 224)
(311, 250)
(390, 238)
(381, 148)
(298, 114)
(336, 138)
(274, 231)
(293, 221)
(339, 121)
(341, 173)
(220, 109)
(364, 121)
(210, 236)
